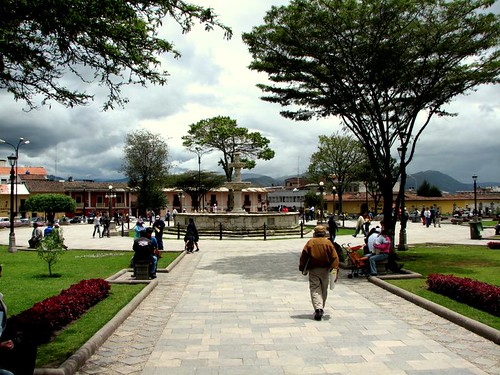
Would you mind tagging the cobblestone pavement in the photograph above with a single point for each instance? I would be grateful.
(242, 307)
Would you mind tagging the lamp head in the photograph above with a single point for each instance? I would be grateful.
(110, 187)
(12, 160)
(474, 178)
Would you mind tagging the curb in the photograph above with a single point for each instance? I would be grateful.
(73, 363)
(480, 329)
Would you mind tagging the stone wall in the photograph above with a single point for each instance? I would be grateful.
(234, 221)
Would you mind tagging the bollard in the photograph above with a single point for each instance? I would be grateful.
(265, 233)
(220, 231)
(178, 231)
(302, 229)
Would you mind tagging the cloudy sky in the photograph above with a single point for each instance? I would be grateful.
(212, 79)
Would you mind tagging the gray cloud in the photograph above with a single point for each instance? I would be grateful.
(211, 79)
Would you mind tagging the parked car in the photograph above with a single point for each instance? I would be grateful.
(4, 222)
(75, 219)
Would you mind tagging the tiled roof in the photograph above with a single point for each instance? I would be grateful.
(44, 186)
(89, 185)
(25, 170)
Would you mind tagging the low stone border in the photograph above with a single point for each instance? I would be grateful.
(406, 274)
(474, 326)
(73, 363)
(78, 359)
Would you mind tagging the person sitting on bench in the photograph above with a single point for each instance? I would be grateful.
(144, 252)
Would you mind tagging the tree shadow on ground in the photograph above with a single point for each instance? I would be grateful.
(267, 266)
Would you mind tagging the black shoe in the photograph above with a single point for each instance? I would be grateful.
(374, 274)
(318, 314)
(152, 276)
(197, 250)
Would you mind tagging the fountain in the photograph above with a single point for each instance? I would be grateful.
(238, 222)
(237, 185)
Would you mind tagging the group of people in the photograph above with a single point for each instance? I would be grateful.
(102, 220)
(37, 234)
(148, 247)
(363, 223)
(431, 216)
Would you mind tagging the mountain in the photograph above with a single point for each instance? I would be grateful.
(260, 180)
(444, 182)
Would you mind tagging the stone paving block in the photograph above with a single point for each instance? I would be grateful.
(222, 312)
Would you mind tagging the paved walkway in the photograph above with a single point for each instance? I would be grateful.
(242, 307)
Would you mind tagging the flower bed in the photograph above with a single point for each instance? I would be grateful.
(46, 317)
(493, 245)
(474, 293)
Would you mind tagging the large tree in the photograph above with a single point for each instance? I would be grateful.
(223, 134)
(45, 44)
(50, 204)
(337, 160)
(385, 67)
(146, 166)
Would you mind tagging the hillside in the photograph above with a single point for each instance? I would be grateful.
(444, 182)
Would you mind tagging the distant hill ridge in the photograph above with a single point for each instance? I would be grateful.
(444, 182)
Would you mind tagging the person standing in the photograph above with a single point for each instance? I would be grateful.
(318, 258)
(159, 226)
(106, 223)
(427, 217)
(360, 225)
(192, 234)
(174, 214)
(438, 219)
(332, 228)
(167, 217)
(97, 225)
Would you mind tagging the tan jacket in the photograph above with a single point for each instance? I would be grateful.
(321, 252)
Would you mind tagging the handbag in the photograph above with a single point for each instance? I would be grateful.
(305, 271)
(334, 275)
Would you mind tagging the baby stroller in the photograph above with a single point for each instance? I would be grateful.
(356, 263)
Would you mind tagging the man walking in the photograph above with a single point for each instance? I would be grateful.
(318, 258)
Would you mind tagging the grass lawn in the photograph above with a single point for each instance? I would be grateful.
(474, 262)
(26, 281)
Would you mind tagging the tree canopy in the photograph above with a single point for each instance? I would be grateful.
(146, 166)
(223, 134)
(50, 204)
(45, 44)
(337, 160)
(385, 67)
(428, 190)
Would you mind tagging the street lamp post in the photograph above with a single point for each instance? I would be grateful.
(12, 236)
(110, 200)
(321, 189)
(475, 197)
(334, 191)
(22, 141)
